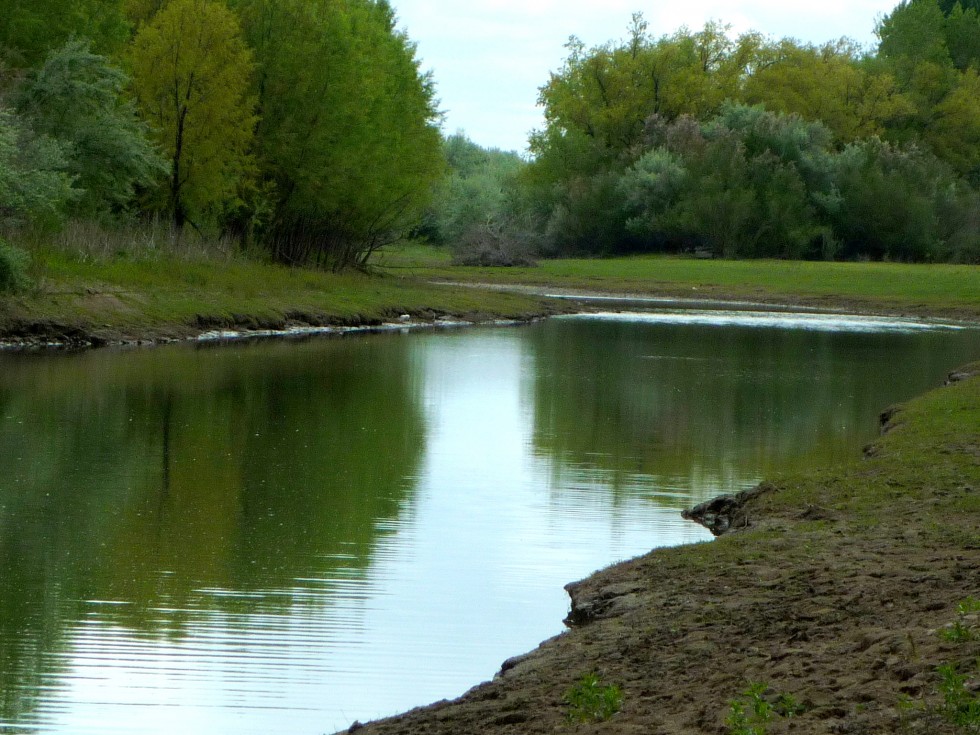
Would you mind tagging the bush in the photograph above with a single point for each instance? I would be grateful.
(487, 246)
(13, 269)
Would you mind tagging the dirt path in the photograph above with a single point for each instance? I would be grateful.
(832, 591)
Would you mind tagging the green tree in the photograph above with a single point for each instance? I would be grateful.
(29, 29)
(192, 76)
(748, 183)
(963, 36)
(931, 54)
(954, 132)
(76, 97)
(475, 194)
(890, 199)
(35, 185)
(596, 108)
(830, 84)
(348, 141)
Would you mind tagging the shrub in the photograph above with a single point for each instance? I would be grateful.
(13, 269)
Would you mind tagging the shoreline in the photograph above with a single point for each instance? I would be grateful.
(20, 333)
(830, 591)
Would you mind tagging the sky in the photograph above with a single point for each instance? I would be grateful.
(490, 57)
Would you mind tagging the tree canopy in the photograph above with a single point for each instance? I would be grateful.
(307, 129)
(192, 80)
(743, 146)
(349, 153)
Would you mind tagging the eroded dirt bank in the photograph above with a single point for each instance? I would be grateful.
(833, 589)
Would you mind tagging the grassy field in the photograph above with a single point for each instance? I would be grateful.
(938, 289)
(153, 295)
(159, 296)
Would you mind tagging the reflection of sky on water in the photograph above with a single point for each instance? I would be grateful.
(772, 320)
(469, 573)
(545, 453)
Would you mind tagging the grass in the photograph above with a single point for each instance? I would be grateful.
(152, 294)
(946, 289)
(149, 283)
(589, 700)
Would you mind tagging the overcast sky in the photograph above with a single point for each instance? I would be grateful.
(489, 57)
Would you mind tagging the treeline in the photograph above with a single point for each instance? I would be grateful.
(304, 127)
(747, 147)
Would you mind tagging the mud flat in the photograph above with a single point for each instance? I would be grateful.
(838, 595)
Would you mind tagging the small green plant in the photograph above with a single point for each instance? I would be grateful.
(969, 605)
(960, 631)
(957, 632)
(961, 706)
(751, 713)
(788, 706)
(590, 701)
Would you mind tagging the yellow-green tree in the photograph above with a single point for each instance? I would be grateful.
(191, 77)
(828, 83)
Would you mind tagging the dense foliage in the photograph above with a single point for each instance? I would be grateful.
(476, 211)
(746, 147)
(13, 269)
(304, 126)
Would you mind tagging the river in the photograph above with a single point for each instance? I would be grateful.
(287, 536)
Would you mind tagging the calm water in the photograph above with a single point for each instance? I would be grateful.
(286, 537)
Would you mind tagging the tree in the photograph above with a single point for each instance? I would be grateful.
(748, 183)
(913, 44)
(29, 29)
(829, 84)
(191, 76)
(475, 193)
(963, 36)
(76, 98)
(596, 107)
(348, 142)
(35, 185)
(954, 132)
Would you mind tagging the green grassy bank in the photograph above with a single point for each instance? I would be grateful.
(948, 290)
(159, 296)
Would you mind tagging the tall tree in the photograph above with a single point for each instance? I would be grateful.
(932, 55)
(192, 79)
(348, 138)
(829, 83)
(35, 184)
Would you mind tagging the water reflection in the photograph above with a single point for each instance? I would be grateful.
(147, 491)
(668, 404)
(285, 537)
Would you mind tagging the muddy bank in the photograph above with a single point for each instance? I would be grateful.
(830, 591)
(54, 334)
(74, 326)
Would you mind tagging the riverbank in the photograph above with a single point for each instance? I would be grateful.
(78, 300)
(946, 291)
(830, 605)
